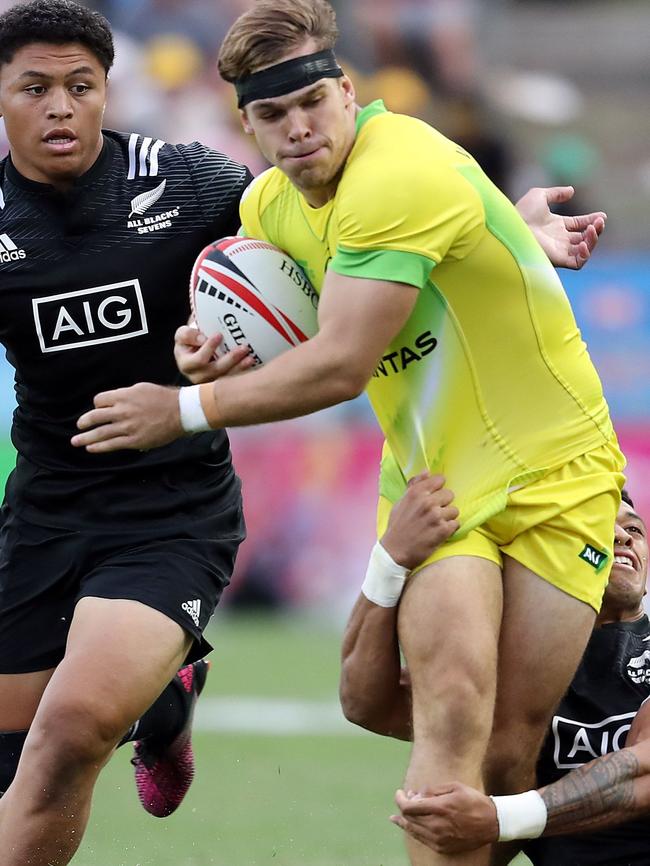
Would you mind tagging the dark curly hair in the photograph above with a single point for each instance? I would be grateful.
(57, 22)
(625, 496)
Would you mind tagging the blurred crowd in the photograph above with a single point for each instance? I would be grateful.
(420, 56)
(447, 61)
(428, 58)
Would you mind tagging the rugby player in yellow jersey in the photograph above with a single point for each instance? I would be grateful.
(437, 298)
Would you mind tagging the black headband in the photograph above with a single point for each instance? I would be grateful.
(287, 76)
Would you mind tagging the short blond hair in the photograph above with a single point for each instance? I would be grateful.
(272, 28)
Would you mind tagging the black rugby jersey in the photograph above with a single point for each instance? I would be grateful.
(94, 282)
(593, 719)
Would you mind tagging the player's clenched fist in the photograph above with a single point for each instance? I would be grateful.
(422, 520)
(197, 360)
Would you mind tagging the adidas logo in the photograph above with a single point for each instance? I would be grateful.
(9, 252)
(193, 609)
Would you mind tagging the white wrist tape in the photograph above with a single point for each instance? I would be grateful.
(193, 418)
(384, 578)
(520, 816)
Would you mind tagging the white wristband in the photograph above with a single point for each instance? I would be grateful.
(384, 578)
(520, 816)
(193, 418)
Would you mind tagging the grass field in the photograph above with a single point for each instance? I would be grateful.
(263, 799)
(286, 798)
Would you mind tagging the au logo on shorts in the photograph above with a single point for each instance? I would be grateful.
(594, 557)
(102, 314)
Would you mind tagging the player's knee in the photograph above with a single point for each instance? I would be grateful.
(78, 730)
(458, 712)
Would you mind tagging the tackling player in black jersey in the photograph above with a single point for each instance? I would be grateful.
(594, 807)
(110, 567)
(595, 716)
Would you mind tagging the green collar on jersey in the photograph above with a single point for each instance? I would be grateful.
(371, 110)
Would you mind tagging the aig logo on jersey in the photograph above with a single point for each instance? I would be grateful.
(9, 252)
(576, 743)
(102, 314)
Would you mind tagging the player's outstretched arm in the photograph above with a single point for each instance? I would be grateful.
(357, 320)
(610, 790)
(375, 691)
(567, 241)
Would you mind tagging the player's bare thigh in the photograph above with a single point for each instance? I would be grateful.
(448, 626)
(115, 647)
(110, 636)
(20, 695)
(543, 635)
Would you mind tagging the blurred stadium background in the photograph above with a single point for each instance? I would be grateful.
(542, 93)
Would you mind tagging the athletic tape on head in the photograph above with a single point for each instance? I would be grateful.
(287, 76)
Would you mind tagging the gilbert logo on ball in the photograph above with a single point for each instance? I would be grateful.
(252, 292)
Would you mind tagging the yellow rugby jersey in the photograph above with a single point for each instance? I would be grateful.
(489, 381)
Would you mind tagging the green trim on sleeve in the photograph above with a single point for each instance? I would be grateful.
(371, 110)
(391, 265)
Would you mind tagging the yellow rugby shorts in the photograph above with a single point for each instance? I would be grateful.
(561, 526)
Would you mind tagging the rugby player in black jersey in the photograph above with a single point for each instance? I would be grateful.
(110, 566)
(600, 803)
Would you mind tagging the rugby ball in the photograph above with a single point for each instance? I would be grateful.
(252, 292)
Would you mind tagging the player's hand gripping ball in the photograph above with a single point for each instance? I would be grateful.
(252, 293)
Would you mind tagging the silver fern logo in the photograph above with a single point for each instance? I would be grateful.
(146, 225)
(141, 203)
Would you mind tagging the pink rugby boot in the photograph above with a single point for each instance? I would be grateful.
(163, 774)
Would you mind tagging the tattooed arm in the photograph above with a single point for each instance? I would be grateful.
(610, 790)
(607, 791)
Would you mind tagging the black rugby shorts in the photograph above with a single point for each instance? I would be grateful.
(176, 559)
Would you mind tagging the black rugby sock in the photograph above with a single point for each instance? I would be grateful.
(11, 747)
(164, 719)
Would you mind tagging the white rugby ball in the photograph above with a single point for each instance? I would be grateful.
(252, 292)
